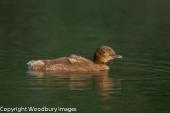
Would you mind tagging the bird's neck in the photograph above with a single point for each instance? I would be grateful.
(97, 61)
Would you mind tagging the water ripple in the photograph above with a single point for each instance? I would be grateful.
(146, 65)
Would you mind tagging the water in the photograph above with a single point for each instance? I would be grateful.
(138, 30)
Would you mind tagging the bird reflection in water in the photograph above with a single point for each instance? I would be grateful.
(100, 82)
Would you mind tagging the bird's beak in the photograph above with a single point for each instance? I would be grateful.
(119, 56)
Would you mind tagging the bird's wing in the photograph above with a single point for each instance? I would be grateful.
(75, 59)
(72, 59)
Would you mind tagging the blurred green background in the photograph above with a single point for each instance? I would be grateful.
(40, 29)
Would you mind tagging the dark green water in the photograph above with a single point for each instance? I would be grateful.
(39, 29)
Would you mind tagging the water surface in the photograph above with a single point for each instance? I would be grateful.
(41, 29)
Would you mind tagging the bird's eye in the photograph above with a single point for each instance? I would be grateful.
(106, 54)
(111, 53)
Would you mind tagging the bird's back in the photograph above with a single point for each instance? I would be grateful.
(73, 63)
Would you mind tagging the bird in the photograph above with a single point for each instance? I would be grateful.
(75, 63)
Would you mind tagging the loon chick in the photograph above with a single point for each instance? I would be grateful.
(75, 63)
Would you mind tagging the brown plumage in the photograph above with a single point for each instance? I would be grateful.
(75, 63)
